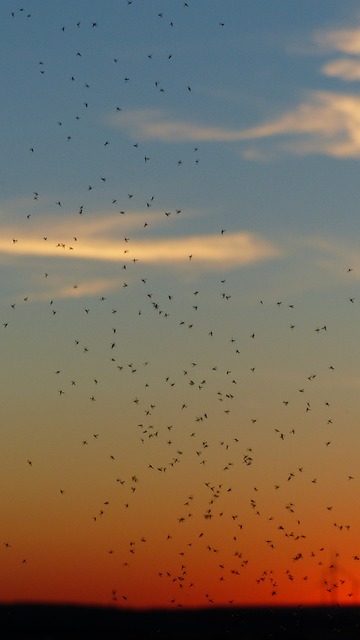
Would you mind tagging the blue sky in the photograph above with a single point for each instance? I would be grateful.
(179, 237)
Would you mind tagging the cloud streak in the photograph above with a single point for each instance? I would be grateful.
(228, 249)
(156, 124)
(346, 69)
(344, 40)
(326, 123)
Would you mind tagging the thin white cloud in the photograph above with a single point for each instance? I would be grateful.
(344, 40)
(326, 254)
(157, 125)
(346, 69)
(326, 123)
(105, 242)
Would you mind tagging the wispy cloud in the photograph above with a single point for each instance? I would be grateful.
(325, 123)
(344, 40)
(100, 246)
(346, 69)
(105, 242)
(156, 124)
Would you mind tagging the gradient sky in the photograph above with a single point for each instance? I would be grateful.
(179, 310)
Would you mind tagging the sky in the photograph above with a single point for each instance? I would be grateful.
(179, 309)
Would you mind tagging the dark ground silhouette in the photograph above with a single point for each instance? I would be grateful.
(47, 622)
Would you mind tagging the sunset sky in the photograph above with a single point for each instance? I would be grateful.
(180, 306)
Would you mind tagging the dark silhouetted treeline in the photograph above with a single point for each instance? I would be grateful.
(47, 622)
